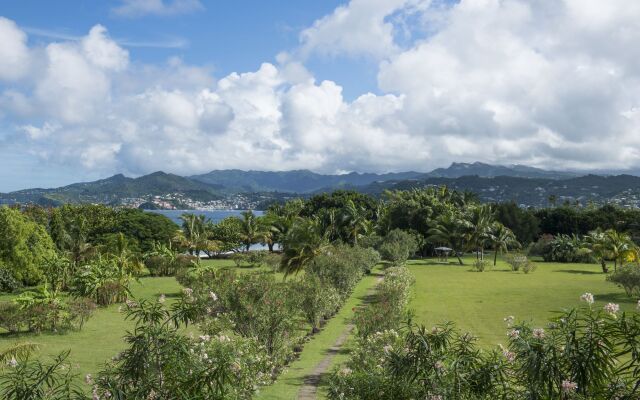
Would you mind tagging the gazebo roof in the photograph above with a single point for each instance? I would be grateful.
(443, 248)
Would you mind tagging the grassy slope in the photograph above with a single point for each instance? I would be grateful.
(101, 337)
(289, 383)
(478, 302)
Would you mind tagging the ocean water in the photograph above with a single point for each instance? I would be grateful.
(215, 216)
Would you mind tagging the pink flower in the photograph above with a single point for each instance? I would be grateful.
(187, 292)
(588, 298)
(611, 308)
(538, 333)
(514, 334)
(568, 386)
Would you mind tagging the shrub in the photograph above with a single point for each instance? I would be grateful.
(103, 280)
(34, 379)
(161, 362)
(387, 310)
(581, 354)
(80, 310)
(317, 300)
(340, 267)
(519, 262)
(12, 318)
(398, 246)
(8, 283)
(627, 277)
(479, 265)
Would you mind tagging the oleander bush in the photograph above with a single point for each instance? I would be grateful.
(628, 278)
(583, 353)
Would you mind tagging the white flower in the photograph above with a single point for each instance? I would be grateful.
(568, 386)
(131, 304)
(439, 365)
(509, 320)
(205, 338)
(611, 308)
(514, 334)
(345, 371)
(187, 292)
(588, 298)
(162, 298)
(88, 379)
(13, 362)
(387, 349)
(213, 296)
(538, 333)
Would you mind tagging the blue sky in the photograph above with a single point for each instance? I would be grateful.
(91, 89)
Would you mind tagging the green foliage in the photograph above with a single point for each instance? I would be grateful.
(42, 310)
(479, 265)
(160, 362)
(580, 354)
(37, 380)
(628, 278)
(24, 246)
(8, 283)
(103, 280)
(523, 222)
(397, 246)
(520, 262)
(388, 308)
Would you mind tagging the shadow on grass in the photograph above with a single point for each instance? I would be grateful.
(579, 272)
(616, 297)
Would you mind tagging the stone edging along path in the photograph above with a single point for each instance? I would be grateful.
(309, 391)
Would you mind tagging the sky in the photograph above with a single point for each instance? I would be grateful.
(91, 89)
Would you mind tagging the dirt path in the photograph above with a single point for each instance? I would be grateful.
(312, 381)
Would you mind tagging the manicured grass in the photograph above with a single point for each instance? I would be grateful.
(101, 337)
(478, 301)
(290, 382)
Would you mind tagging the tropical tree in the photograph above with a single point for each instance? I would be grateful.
(620, 246)
(477, 227)
(355, 221)
(304, 242)
(501, 239)
(598, 242)
(253, 230)
(448, 230)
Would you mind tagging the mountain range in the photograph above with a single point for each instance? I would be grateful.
(525, 185)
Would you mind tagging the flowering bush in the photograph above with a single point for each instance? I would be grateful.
(8, 283)
(34, 379)
(583, 353)
(397, 246)
(163, 363)
(317, 300)
(627, 277)
(387, 310)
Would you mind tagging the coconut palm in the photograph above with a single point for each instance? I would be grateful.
(355, 221)
(252, 230)
(598, 242)
(477, 225)
(501, 239)
(304, 242)
(620, 246)
(447, 230)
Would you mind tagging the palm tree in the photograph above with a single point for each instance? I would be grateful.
(478, 228)
(252, 230)
(598, 242)
(501, 238)
(355, 221)
(304, 242)
(447, 230)
(619, 245)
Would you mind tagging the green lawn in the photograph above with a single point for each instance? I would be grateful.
(478, 301)
(101, 337)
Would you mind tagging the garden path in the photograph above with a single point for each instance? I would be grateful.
(309, 391)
